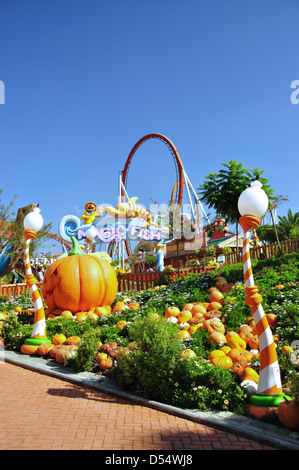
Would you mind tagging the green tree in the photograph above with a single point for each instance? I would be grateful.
(266, 233)
(288, 226)
(221, 190)
(12, 241)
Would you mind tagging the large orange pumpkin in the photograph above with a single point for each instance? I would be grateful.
(79, 282)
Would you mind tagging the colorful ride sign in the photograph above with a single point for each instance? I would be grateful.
(108, 231)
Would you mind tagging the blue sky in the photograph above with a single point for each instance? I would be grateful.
(86, 79)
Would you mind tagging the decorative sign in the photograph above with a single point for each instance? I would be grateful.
(134, 229)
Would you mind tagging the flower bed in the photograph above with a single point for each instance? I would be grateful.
(175, 356)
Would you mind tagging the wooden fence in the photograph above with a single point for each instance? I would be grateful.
(263, 252)
(146, 280)
(14, 290)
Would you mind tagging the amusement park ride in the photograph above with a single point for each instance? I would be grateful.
(129, 221)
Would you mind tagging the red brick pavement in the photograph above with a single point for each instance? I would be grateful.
(39, 412)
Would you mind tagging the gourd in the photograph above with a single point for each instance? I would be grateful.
(79, 282)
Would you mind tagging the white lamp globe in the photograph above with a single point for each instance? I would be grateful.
(91, 233)
(253, 201)
(33, 220)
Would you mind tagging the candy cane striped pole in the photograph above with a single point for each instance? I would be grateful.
(39, 328)
(269, 378)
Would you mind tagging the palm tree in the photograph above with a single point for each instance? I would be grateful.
(288, 226)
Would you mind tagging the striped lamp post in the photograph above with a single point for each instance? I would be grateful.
(33, 222)
(252, 205)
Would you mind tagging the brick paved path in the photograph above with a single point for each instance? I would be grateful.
(39, 412)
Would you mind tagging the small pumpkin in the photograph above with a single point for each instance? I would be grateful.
(81, 316)
(119, 306)
(214, 325)
(171, 312)
(28, 349)
(71, 340)
(214, 306)
(184, 334)
(249, 374)
(222, 361)
(220, 284)
(216, 296)
(134, 305)
(288, 414)
(215, 354)
(108, 347)
(187, 354)
(198, 308)
(193, 328)
(254, 342)
(225, 349)
(184, 316)
(106, 363)
(44, 349)
(79, 281)
(238, 367)
(243, 330)
(66, 314)
(58, 339)
(236, 342)
(238, 355)
(217, 338)
(53, 351)
(101, 356)
(213, 314)
(286, 350)
(93, 316)
(63, 354)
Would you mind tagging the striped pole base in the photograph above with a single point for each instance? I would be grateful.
(265, 406)
(269, 393)
(31, 345)
(38, 336)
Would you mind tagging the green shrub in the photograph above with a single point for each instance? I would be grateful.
(199, 384)
(146, 368)
(87, 349)
(14, 332)
(295, 385)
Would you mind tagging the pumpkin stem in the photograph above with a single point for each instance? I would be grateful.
(76, 250)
